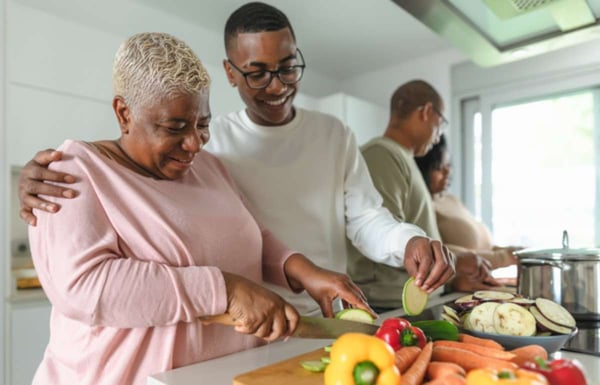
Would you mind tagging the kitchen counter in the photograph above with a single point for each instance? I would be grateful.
(221, 371)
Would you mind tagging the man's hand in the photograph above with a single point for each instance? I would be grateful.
(257, 310)
(473, 273)
(31, 184)
(429, 261)
(324, 286)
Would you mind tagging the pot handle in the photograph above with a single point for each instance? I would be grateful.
(541, 262)
(565, 239)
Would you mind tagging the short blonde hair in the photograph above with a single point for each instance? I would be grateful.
(152, 66)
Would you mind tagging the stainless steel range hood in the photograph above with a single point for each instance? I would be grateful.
(491, 32)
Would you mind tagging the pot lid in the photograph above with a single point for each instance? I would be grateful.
(564, 253)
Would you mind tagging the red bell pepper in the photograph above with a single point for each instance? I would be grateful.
(558, 372)
(413, 336)
(396, 322)
(398, 332)
(391, 335)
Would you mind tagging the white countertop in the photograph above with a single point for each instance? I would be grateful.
(221, 371)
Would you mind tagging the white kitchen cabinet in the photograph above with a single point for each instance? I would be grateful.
(28, 337)
(367, 120)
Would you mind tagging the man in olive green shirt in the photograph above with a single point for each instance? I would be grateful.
(415, 125)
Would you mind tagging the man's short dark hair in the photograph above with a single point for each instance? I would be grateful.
(412, 95)
(255, 17)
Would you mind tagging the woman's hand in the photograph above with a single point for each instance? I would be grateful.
(324, 286)
(429, 261)
(473, 273)
(506, 255)
(31, 183)
(257, 310)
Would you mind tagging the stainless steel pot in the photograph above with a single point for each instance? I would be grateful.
(567, 276)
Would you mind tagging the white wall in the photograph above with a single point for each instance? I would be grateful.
(365, 118)
(378, 86)
(4, 187)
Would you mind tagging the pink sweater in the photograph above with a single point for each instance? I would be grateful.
(131, 264)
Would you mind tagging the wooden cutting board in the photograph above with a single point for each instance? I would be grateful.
(284, 372)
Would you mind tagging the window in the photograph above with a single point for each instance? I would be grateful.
(537, 170)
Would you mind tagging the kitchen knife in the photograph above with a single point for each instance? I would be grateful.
(311, 327)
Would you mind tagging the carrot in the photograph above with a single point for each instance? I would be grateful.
(482, 350)
(416, 373)
(405, 357)
(462, 337)
(449, 379)
(528, 353)
(438, 369)
(469, 360)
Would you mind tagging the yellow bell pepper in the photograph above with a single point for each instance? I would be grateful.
(361, 359)
(505, 377)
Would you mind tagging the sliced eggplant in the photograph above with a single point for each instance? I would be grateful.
(465, 321)
(555, 313)
(451, 313)
(466, 302)
(464, 316)
(522, 301)
(464, 298)
(492, 295)
(450, 319)
(546, 324)
(514, 320)
(481, 318)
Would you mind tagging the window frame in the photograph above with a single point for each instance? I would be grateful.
(515, 93)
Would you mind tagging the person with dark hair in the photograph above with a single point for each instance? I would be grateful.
(416, 123)
(301, 171)
(255, 17)
(435, 166)
(457, 226)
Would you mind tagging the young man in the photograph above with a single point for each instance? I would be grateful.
(415, 125)
(300, 170)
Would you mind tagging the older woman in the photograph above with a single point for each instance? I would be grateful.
(159, 238)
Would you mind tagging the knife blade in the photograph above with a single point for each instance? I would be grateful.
(311, 327)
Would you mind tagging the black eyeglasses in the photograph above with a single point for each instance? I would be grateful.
(258, 80)
(444, 120)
